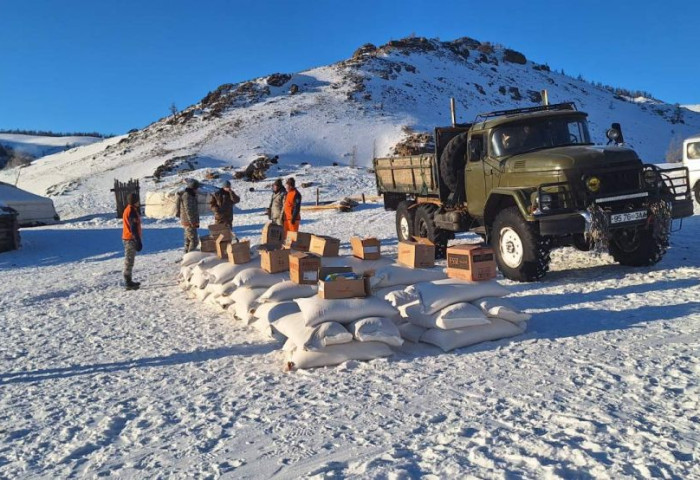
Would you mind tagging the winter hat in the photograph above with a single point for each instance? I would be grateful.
(226, 184)
(192, 183)
(278, 182)
(132, 198)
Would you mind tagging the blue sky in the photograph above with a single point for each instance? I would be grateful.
(113, 65)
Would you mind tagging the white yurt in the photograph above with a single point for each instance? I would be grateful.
(33, 210)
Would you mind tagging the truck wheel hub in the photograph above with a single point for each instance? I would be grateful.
(404, 228)
(511, 247)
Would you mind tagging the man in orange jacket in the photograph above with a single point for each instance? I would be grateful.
(292, 208)
(131, 236)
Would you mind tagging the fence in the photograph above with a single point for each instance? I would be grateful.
(121, 192)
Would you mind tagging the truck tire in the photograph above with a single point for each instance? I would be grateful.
(637, 247)
(405, 218)
(392, 200)
(452, 162)
(424, 226)
(521, 253)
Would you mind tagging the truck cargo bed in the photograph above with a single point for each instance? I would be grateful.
(413, 175)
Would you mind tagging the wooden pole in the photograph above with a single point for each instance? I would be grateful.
(317, 195)
(363, 198)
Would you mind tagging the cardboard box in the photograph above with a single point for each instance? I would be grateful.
(471, 262)
(324, 246)
(207, 243)
(419, 253)
(272, 234)
(222, 243)
(299, 241)
(341, 287)
(366, 248)
(274, 260)
(303, 268)
(238, 252)
(216, 229)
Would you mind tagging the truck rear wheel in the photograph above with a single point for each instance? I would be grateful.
(405, 218)
(452, 163)
(425, 227)
(637, 247)
(521, 253)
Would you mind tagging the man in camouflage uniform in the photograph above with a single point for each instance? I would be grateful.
(275, 211)
(222, 203)
(188, 211)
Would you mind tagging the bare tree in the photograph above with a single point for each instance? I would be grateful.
(173, 109)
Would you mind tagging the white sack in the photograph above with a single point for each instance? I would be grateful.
(397, 295)
(200, 295)
(396, 274)
(462, 337)
(317, 310)
(199, 278)
(186, 273)
(265, 328)
(501, 308)
(224, 301)
(358, 265)
(227, 271)
(376, 329)
(311, 338)
(337, 354)
(243, 300)
(458, 315)
(192, 258)
(411, 332)
(271, 312)
(221, 288)
(209, 262)
(441, 293)
(257, 278)
(288, 290)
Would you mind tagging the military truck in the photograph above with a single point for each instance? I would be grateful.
(529, 180)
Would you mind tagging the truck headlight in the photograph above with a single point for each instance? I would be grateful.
(593, 184)
(651, 178)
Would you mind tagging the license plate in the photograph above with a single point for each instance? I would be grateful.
(628, 216)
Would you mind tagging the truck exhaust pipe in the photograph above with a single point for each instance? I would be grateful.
(453, 112)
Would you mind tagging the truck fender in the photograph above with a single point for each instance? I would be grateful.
(502, 198)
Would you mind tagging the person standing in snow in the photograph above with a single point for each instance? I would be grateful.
(222, 203)
(188, 211)
(275, 211)
(292, 207)
(131, 236)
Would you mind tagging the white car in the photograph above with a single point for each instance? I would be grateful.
(691, 159)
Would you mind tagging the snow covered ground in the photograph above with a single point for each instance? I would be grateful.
(38, 145)
(97, 381)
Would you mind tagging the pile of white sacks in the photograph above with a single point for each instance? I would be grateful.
(418, 305)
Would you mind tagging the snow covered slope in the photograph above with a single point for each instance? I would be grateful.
(345, 113)
(39, 146)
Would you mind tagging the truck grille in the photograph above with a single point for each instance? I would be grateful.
(620, 181)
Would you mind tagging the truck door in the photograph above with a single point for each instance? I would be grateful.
(477, 179)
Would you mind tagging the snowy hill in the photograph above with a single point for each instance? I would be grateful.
(345, 113)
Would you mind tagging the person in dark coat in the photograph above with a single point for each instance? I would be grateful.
(132, 238)
(275, 211)
(222, 203)
(188, 211)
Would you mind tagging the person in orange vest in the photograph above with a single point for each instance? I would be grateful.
(131, 236)
(292, 208)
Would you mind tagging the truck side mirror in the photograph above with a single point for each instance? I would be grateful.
(475, 149)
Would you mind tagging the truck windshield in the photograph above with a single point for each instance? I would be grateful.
(518, 138)
(693, 151)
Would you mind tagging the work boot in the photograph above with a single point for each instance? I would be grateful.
(130, 285)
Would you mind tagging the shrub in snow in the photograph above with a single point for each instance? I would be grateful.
(457, 315)
(376, 329)
(441, 293)
(317, 310)
(501, 308)
(257, 277)
(288, 290)
(462, 337)
(337, 354)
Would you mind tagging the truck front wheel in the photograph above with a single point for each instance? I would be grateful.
(521, 253)
(425, 227)
(405, 218)
(637, 247)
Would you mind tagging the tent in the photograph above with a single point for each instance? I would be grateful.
(162, 203)
(33, 210)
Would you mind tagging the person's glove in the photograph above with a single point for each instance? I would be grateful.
(138, 244)
(268, 212)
